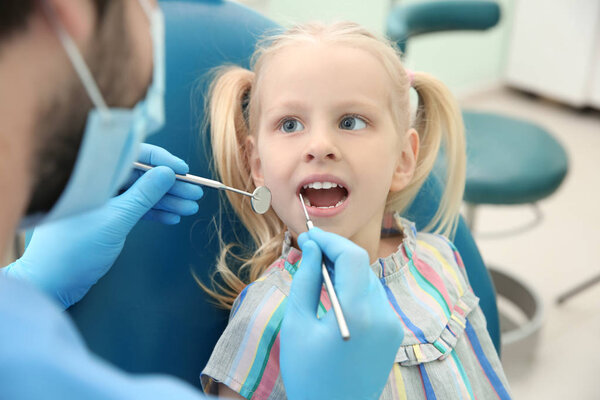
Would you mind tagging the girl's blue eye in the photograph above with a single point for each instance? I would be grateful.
(352, 123)
(291, 126)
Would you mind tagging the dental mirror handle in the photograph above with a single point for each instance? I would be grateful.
(197, 180)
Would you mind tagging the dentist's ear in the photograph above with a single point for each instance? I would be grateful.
(407, 161)
(254, 161)
(78, 18)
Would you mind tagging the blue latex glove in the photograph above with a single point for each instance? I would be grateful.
(65, 258)
(44, 357)
(315, 362)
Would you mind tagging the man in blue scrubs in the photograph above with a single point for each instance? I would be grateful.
(77, 77)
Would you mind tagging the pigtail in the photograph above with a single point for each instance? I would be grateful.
(229, 97)
(228, 124)
(440, 126)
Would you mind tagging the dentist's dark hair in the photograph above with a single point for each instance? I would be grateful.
(16, 13)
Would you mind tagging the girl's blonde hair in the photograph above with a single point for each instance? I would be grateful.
(233, 104)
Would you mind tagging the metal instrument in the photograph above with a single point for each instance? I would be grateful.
(326, 268)
(260, 198)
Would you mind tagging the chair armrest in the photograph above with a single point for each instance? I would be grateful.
(407, 21)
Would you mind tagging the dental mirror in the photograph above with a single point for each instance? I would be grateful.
(260, 198)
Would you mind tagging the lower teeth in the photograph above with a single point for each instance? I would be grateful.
(337, 205)
(307, 202)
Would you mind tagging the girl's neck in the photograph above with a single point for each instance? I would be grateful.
(369, 238)
(389, 245)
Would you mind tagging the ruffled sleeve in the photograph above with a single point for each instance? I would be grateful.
(428, 286)
(441, 346)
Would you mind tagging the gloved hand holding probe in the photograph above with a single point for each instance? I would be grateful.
(353, 369)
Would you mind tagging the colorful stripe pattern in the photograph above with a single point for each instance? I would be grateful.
(446, 352)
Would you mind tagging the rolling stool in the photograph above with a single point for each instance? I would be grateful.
(509, 161)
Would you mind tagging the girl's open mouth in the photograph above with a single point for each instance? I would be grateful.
(324, 197)
(324, 194)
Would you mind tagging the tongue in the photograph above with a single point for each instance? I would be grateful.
(325, 197)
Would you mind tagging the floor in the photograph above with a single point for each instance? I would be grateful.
(556, 255)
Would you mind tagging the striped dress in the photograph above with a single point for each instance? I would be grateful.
(446, 352)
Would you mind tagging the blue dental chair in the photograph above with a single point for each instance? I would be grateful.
(148, 314)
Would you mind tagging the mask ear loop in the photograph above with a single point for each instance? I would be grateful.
(148, 9)
(77, 61)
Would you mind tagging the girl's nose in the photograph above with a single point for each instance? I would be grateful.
(322, 146)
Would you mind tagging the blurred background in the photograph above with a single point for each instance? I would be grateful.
(528, 78)
(539, 65)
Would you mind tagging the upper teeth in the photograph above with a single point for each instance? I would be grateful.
(321, 185)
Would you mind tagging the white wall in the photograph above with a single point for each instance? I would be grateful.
(465, 61)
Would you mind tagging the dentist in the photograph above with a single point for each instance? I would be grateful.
(81, 86)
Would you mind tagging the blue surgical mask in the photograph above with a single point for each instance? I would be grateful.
(112, 136)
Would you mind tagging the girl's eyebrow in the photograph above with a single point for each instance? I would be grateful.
(300, 106)
(287, 105)
(358, 103)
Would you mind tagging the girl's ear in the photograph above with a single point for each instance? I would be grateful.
(407, 162)
(254, 161)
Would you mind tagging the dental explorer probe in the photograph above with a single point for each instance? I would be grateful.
(260, 198)
(335, 303)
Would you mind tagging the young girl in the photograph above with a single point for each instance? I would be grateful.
(325, 113)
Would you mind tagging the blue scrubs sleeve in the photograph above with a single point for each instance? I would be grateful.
(42, 356)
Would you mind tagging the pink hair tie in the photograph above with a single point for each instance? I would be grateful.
(411, 76)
